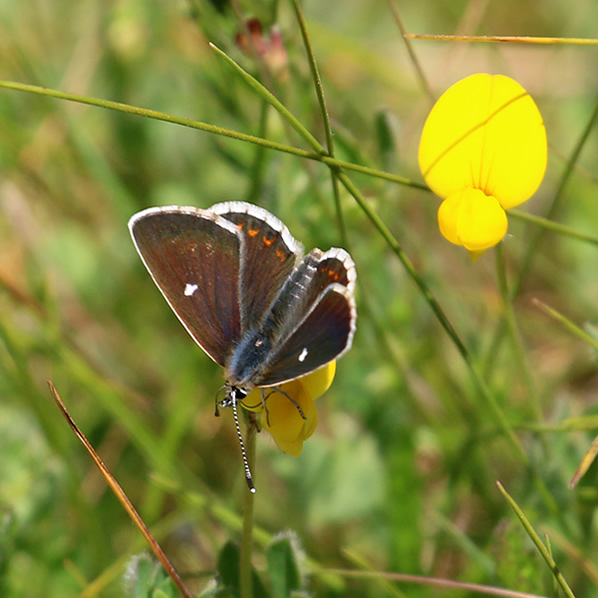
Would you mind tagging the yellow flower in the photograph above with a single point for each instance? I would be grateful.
(283, 419)
(483, 150)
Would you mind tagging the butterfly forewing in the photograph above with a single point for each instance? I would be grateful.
(194, 258)
(269, 256)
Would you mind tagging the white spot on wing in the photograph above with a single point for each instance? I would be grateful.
(303, 355)
(190, 289)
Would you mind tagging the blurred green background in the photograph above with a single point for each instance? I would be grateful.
(400, 473)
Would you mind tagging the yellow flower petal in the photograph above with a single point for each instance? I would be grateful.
(283, 420)
(318, 382)
(472, 219)
(485, 132)
(448, 214)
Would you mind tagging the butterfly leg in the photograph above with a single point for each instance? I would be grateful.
(264, 397)
(282, 392)
(226, 402)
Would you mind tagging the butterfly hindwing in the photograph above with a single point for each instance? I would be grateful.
(324, 335)
(316, 301)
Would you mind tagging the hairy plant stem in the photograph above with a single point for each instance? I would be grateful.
(245, 574)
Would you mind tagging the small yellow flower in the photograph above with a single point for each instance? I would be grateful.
(483, 150)
(283, 420)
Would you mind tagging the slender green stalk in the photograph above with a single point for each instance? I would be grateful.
(413, 57)
(200, 126)
(439, 313)
(568, 324)
(514, 333)
(246, 574)
(536, 540)
(552, 226)
(272, 100)
(488, 397)
(315, 73)
(555, 585)
(266, 91)
(408, 265)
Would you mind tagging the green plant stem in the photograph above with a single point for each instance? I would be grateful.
(568, 324)
(514, 333)
(404, 259)
(412, 56)
(438, 312)
(313, 65)
(552, 226)
(200, 126)
(315, 73)
(488, 397)
(272, 100)
(245, 573)
(536, 540)
(288, 119)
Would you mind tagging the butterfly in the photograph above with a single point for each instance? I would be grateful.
(239, 283)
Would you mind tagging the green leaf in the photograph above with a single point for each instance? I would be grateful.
(284, 565)
(228, 568)
(146, 578)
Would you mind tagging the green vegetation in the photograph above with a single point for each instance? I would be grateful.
(458, 377)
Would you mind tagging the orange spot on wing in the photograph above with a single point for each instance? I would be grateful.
(280, 255)
(268, 242)
(252, 232)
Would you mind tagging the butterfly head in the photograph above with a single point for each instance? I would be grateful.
(233, 395)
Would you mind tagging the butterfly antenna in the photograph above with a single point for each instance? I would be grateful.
(248, 476)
